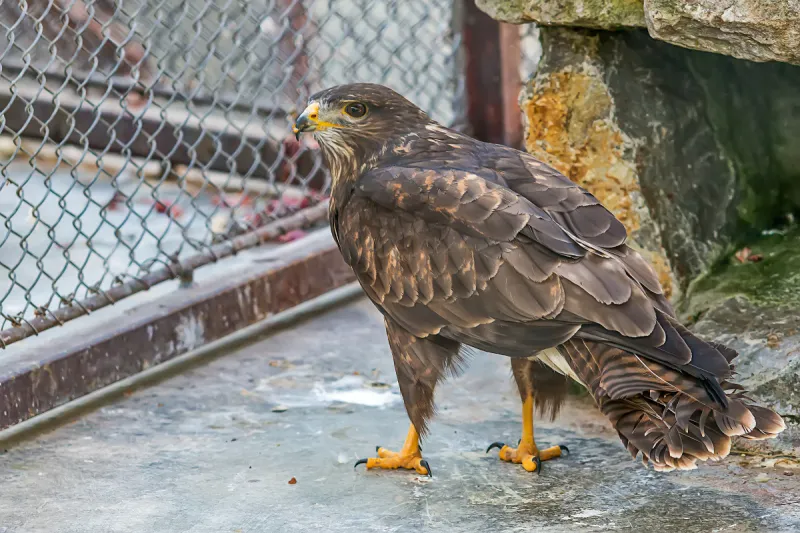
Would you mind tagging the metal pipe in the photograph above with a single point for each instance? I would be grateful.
(155, 374)
(299, 220)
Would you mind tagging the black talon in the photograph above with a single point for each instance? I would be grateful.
(377, 448)
(538, 463)
(520, 440)
(564, 450)
(494, 445)
(427, 467)
(360, 462)
(297, 135)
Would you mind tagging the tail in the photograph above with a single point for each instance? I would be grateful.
(671, 417)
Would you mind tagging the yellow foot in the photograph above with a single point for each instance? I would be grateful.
(391, 460)
(527, 454)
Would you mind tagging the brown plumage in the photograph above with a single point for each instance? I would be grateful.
(460, 242)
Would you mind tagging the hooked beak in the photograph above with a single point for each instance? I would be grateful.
(307, 121)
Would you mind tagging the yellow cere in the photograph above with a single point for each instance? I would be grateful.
(312, 112)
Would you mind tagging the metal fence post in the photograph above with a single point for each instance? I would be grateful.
(493, 83)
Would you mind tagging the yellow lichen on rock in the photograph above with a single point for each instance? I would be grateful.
(570, 126)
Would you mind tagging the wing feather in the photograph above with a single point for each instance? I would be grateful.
(462, 238)
(471, 252)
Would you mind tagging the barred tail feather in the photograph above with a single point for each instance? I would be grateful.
(672, 418)
(768, 423)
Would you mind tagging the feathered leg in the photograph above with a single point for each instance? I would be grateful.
(538, 386)
(419, 364)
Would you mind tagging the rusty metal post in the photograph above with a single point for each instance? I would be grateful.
(510, 57)
(293, 47)
(492, 52)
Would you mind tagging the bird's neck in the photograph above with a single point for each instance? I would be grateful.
(344, 166)
(347, 163)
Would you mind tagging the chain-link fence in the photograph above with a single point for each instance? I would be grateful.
(137, 134)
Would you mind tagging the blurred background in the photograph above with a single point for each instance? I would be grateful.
(137, 133)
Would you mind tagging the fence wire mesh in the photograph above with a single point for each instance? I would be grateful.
(135, 133)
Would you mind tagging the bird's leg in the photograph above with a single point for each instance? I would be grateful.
(409, 456)
(526, 452)
(419, 363)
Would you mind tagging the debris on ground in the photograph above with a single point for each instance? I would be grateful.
(773, 341)
(168, 208)
(746, 255)
(292, 235)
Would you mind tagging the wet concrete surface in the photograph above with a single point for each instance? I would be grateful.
(214, 449)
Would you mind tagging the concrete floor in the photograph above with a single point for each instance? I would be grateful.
(208, 451)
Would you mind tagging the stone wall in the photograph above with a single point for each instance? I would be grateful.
(601, 14)
(695, 148)
(691, 150)
(758, 30)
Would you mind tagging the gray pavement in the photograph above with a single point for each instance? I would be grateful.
(214, 448)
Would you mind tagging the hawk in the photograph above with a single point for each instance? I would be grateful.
(463, 244)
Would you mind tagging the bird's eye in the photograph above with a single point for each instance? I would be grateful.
(355, 109)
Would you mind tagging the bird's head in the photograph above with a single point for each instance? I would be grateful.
(351, 121)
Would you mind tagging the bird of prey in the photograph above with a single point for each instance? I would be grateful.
(461, 243)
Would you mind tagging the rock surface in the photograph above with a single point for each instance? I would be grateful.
(751, 303)
(571, 125)
(758, 30)
(608, 14)
(768, 342)
(685, 147)
(768, 365)
(766, 273)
